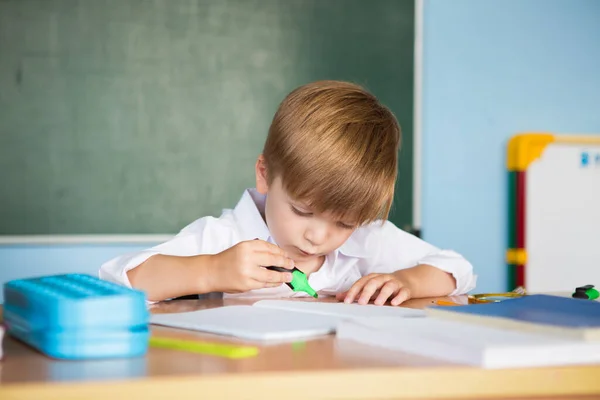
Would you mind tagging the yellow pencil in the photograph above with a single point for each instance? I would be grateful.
(210, 348)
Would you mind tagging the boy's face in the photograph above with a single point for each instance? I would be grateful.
(304, 234)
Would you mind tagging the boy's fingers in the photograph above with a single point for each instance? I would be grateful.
(355, 289)
(369, 289)
(271, 284)
(401, 297)
(366, 294)
(258, 284)
(269, 248)
(388, 289)
(341, 296)
(267, 276)
(276, 260)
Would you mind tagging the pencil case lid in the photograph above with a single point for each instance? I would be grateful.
(72, 301)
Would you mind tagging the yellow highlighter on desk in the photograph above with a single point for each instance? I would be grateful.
(485, 298)
(202, 347)
(496, 297)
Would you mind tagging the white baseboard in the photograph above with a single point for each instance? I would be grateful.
(82, 239)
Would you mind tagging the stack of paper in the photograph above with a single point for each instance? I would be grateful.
(534, 330)
(470, 344)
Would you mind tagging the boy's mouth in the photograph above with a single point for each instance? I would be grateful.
(304, 253)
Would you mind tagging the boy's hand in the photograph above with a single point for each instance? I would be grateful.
(378, 287)
(240, 268)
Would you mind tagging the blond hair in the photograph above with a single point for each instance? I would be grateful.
(335, 147)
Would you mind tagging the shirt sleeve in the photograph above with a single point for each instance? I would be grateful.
(398, 249)
(206, 235)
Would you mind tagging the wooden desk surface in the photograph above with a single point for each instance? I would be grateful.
(322, 368)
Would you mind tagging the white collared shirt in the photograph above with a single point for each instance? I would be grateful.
(373, 248)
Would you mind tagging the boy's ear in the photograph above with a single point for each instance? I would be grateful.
(262, 185)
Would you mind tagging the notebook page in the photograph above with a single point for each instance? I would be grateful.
(251, 323)
(340, 310)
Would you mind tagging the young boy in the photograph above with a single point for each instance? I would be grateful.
(324, 188)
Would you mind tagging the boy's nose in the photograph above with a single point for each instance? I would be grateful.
(316, 235)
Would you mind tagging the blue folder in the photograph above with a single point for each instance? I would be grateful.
(575, 318)
(541, 309)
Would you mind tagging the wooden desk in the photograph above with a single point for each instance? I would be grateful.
(324, 368)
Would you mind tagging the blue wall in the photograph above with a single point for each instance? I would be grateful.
(492, 69)
(22, 261)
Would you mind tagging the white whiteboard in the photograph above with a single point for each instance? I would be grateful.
(562, 218)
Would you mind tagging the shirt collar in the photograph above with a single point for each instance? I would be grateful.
(353, 247)
(248, 214)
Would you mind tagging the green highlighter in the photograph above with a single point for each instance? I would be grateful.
(586, 292)
(299, 282)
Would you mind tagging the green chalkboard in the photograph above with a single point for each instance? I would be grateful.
(134, 116)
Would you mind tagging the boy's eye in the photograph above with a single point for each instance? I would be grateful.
(300, 213)
(345, 226)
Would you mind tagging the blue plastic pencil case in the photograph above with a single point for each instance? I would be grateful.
(77, 316)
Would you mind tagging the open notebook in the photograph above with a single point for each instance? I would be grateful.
(470, 344)
(277, 319)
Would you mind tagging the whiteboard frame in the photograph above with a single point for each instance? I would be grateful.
(418, 115)
(524, 150)
(556, 262)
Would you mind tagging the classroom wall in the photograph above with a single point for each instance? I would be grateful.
(24, 261)
(492, 69)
